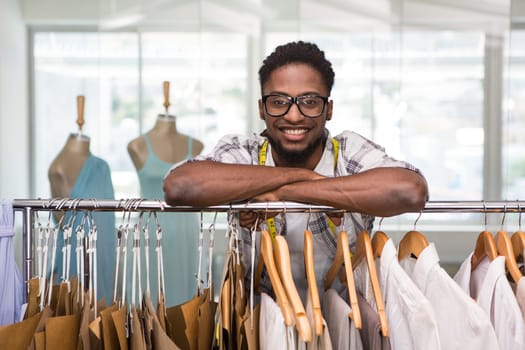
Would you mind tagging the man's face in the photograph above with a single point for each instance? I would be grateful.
(296, 140)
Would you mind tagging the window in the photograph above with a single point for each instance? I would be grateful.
(121, 76)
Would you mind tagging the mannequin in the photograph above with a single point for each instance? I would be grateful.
(76, 173)
(65, 168)
(167, 143)
(153, 154)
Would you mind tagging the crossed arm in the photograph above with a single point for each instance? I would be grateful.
(379, 191)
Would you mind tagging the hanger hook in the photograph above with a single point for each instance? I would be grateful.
(380, 223)
(308, 219)
(504, 213)
(519, 213)
(417, 219)
(485, 216)
(283, 222)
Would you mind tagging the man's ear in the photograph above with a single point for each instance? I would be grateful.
(261, 110)
(329, 109)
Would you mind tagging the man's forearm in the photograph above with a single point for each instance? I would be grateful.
(206, 183)
(379, 192)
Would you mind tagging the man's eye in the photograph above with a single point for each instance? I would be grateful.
(309, 101)
(280, 102)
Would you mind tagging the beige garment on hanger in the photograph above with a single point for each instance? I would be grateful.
(184, 324)
(119, 319)
(45, 314)
(62, 332)
(137, 339)
(206, 321)
(108, 332)
(19, 335)
(159, 337)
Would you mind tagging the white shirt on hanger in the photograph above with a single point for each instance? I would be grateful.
(489, 286)
(273, 333)
(520, 295)
(462, 323)
(319, 342)
(343, 334)
(411, 319)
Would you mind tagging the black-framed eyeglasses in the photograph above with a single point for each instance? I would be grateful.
(277, 105)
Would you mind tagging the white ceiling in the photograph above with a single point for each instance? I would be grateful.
(268, 15)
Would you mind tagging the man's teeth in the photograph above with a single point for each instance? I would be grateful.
(294, 131)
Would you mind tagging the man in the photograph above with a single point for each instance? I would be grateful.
(296, 159)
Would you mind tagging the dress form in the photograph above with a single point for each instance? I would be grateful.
(168, 144)
(65, 168)
(153, 154)
(77, 173)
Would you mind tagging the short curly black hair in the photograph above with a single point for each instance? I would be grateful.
(298, 52)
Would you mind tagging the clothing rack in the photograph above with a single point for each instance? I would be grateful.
(29, 206)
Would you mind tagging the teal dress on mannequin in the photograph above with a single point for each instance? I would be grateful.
(180, 235)
(93, 182)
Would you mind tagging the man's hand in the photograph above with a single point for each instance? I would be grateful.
(247, 218)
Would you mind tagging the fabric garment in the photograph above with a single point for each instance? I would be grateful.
(462, 323)
(322, 341)
(356, 154)
(343, 334)
(411, 319)
(179, 239)
(93, 182)
(11, 287)
(489, 286)
(520, 295)
(370, 331)
(273, 333)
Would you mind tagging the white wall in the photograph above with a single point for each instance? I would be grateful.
(14, 120)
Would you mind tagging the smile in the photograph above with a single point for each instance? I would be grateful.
(294, 131)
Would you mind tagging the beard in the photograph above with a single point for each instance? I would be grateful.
(296, 159)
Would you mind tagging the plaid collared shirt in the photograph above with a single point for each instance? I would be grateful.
(356, 154)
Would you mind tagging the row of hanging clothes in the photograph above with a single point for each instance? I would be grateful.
(377, 296)
(67, 308)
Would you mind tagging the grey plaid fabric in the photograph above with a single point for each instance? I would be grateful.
(356, 154)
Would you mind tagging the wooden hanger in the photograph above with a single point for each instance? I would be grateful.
(364, 251)
(518, 244)
(504, 246)
(378, 242)
(485, 247)
(312, 282)
(412, 243)
(282, 258)
(266, 259)
(342, 258)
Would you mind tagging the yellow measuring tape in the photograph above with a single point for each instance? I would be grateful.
(263, 154)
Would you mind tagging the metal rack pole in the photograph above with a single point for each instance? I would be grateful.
(157, 205)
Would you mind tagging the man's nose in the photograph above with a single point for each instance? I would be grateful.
(294, 114)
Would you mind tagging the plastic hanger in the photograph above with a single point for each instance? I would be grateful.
(266, 259)
(282, 259)
(342, 258)
(364, 251)
(312, 282)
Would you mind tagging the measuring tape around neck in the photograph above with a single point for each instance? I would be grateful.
(263, 155)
